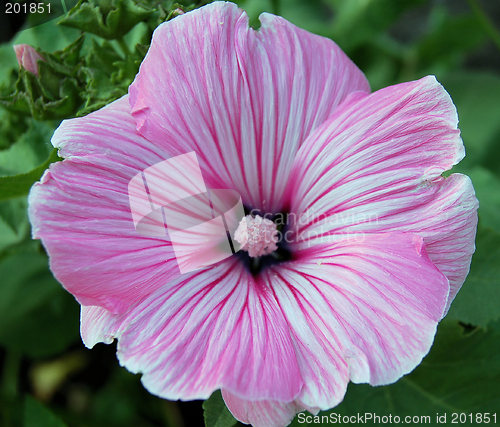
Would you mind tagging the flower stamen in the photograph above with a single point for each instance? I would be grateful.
(257, 235)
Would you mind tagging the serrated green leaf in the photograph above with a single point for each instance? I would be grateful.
(460, 374)
(216, 413)
(52, 94)
(38, 415)
(109, 19)
(477, 302)
(103, 65)
(19, 185)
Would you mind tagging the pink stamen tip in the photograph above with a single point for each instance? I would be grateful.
(256, 235)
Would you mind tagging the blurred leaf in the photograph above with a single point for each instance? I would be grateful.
(14, 225)
(109, 396)
(47, 377)
(358, 21)
(460, 374)
(19, 185)
(11, 411)
(487, 187)
(476, 96)
(12, 126)
(48, 37)
(37, 317)
(8, 61)
(57, 8)
(11, 213)
(314, 15)
(31, 148)
(38, 415)
(255, 7)
(449, 40)
(216, 413)
(106, 18)
(477, 302)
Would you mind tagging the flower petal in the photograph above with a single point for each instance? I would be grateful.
(363, 310)
(215, 328)
(97, 325)
(376, 166)
(244, 100)
(80, 210)
(263, 413)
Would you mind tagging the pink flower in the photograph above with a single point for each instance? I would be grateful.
(28, 58)
(378, 242)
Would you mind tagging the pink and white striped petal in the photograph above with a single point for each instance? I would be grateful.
(375, 166)
(244, 100)
(362, 310)
(80, 210)
(263, 413)
(98, 325)
(216, 328)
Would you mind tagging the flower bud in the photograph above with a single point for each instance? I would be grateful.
(28, 57)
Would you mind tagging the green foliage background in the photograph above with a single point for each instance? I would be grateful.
(92, 54)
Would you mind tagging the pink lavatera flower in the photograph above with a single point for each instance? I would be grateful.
(378, 242)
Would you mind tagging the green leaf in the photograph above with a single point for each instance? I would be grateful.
(11, 409)
(108, 76)
(255, 7)
(14, 226)
(460, 374)
(48, 37)
(109, 19)
(486, 186)
(450, 39)
(52, 94)
(12, 126)
(8, 61)
(30, 148)
(476, 96)
(19, 185)
(38, 415)
(123, 401)
(57, 8)
(216, 413)
(37, 316)
(369, 18)
(477, 301)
